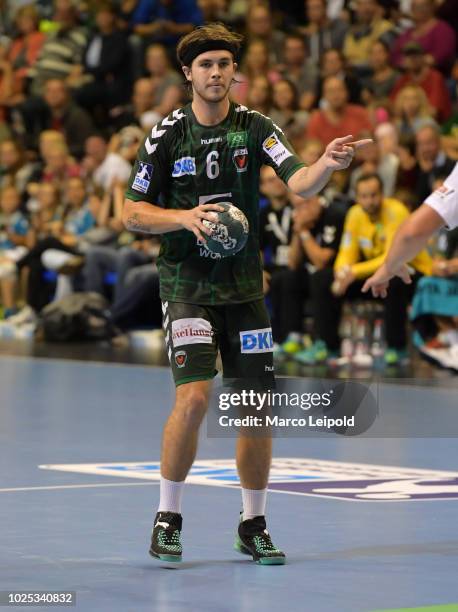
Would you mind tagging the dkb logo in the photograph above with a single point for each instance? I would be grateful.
(256, 341)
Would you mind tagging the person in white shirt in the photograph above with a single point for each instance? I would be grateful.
(439, 209)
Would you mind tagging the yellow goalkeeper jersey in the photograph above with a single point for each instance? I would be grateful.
(365, 243)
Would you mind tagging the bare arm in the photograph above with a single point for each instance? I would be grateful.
(308, 181)
(410, 238)
(151, 219)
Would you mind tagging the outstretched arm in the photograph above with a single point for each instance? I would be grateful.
(338, 155)
(410, 238)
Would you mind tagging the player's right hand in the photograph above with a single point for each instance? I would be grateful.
(192, 219)
(380, 280)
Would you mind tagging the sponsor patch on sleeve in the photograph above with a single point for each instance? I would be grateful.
(142, 179)
(275, 149)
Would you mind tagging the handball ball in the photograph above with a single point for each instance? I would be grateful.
(229, 234)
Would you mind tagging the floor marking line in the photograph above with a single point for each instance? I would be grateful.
(80, 486)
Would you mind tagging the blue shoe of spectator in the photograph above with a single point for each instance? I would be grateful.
(317, 353)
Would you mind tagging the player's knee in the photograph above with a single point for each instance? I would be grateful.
(192, 407)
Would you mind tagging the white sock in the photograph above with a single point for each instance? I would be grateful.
(171, 493)
(254, 503)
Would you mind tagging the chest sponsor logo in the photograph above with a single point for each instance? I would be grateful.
(275, 149)
(191, 331)
(256, 341)
(142, 179)
(185, 165)
(207, 141)
(240, 158)
(237, 139)
(356, 482)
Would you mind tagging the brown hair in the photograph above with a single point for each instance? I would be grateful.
(199, 37)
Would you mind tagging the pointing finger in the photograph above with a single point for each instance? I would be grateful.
(357, 144)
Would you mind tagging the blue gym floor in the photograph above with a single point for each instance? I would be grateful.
(75, 527)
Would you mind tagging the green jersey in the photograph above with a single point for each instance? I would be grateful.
(182, 164)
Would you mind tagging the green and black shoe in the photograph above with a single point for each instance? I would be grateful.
(165, 539)
(254, 539)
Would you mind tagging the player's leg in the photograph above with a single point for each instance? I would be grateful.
(192, 349)
(247, 353)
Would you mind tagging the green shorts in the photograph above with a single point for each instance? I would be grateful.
(241, 332)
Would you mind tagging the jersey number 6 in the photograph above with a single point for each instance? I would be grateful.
(212, 165)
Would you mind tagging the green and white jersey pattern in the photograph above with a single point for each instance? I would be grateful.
(182, 164)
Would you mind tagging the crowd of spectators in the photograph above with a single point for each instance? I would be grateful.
(82, 82)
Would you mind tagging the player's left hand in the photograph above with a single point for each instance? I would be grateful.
(340, 152)
(380, 280)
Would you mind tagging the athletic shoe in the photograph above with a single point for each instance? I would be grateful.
(394, 356)
(254, 539)
(317, 353)
(26, 315)
(165, 539)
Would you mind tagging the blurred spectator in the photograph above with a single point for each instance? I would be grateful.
(299, 69)
(338, 118)
(56, 111)
(432, 160)
(412, 110)
(378, 87)
(275, 231)
(105, 79)
(43, 221)
(161, 20)
(139, 112)
(214, 10)
(259, 25)
(259, 96)
(286, 112)
(61, 55)
(58, 165)
(408, 171)
(14, 169)
(168, 90)
(317, 232)
(25, 47)
(312, 151)
(104, 168)
(6, 80)
(333, 65)
(13, 231)
(368, 28)
(369, 228)
(255, 62)
(430, 80)
(321, 32)
(435, 36)
(371, 161)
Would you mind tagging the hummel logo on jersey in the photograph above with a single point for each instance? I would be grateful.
(143, 177)
(207, 141)
(185, 165)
